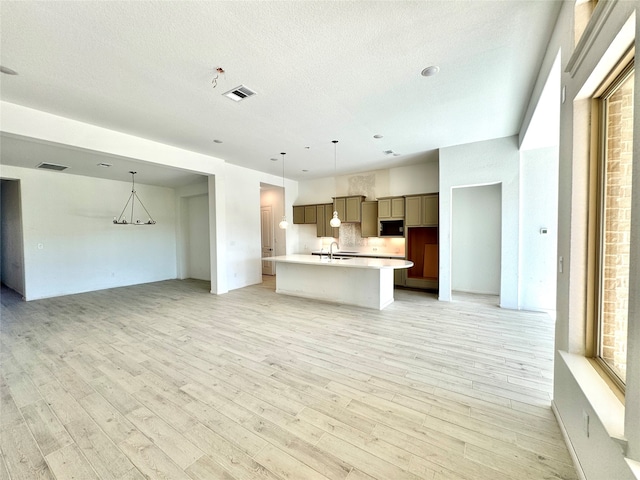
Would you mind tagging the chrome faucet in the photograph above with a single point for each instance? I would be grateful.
(331, 249)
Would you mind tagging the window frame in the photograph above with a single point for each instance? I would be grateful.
(595, 234)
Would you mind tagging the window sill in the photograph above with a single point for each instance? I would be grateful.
(608, 408)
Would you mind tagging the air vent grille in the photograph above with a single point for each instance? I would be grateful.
(51, 166)
(239, 93)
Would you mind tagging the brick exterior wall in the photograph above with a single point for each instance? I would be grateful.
(617, 228)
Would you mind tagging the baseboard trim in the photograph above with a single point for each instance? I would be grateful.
(567, 441)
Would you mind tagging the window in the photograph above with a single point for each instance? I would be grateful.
(613, 221)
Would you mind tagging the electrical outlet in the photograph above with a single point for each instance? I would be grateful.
(585, 423)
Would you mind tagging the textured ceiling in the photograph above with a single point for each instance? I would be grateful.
(322, 70)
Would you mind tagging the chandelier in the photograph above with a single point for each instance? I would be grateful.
(121, 220)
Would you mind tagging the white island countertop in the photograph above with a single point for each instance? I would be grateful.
(351, 262)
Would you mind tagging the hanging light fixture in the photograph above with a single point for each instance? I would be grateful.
(121, 220)
(335, 221)
(283, 223)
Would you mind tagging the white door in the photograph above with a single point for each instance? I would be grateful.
(266, 226)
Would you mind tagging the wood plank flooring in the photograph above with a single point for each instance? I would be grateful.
(165, 381)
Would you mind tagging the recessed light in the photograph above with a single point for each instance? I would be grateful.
(396, 154)
(7, 70)
(217, 141)
(273, 159)
(430, 71)
(305, 170)
(104, 165)
(377, 135)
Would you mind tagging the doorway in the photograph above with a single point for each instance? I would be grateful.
(197, 251)
(11, 241)
(266, 229)
(476, 231)
(273, 240)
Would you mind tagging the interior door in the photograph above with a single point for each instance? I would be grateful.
(266, 226)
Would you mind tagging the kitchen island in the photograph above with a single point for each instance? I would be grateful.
(361, 281)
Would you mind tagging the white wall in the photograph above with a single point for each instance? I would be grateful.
(242, 210)
(71, 244)
(414, 179)
(482, 163)
(243, 264)
(475, 239)
(538, 209)
(11, 255)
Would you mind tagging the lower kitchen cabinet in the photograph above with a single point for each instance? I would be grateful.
(400, 277)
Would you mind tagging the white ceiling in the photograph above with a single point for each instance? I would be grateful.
(322, 70)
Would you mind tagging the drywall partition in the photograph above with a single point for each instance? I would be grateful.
(11, 254)
(71, 244)
(538, 228)
(482, 163)
(29, 122)
(475, 239)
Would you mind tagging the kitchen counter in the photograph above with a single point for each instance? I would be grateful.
(361, 281)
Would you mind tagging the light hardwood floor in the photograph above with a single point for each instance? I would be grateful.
(165, 381)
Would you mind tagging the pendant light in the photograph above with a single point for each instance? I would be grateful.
(121, 220)
(335, 221)
(283, 223)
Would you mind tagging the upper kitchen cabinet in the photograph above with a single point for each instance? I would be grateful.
(369, 225)
(391, 208)
(349, 208)
(324, 213)
(421, 210)
(304, 214)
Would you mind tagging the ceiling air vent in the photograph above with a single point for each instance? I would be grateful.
(239, 93)
(51, 166)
